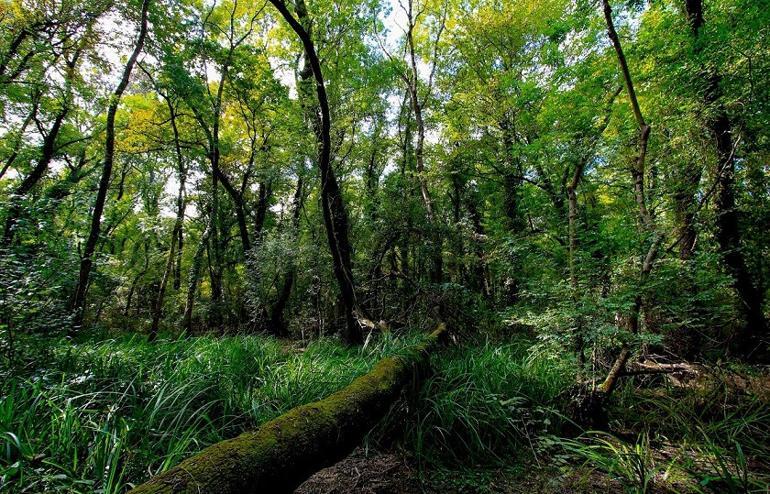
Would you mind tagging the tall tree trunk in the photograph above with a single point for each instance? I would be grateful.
(192, 281)
(689, 177)
(47, 153)
(180, 200)
(404, 245)
(482, 273)
(263, 202)
(48, 149)
(86, 262)
(13, 49)
(511, 188)
(638, 170)
(418, 105)
(178, 263)
(137, 279)
(157, 311)
(685, 205)
(240, 210)
(176, 233)
(646, 218)
(335, 215)
(9, 161)
(215, 258)
(277, 324)
(728, 234)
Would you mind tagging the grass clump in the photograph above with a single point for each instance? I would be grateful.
(707, 435)
(100, 415)
(486, 402)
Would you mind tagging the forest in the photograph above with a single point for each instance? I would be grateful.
(384, 246)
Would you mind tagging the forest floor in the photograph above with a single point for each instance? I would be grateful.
(100, 413)
(703, 429)
(395, 473)
(391, 474)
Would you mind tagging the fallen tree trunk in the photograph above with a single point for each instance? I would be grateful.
(283, 453)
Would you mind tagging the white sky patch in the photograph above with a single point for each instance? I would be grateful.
(285, 75)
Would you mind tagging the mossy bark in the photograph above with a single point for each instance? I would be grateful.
(284, 452)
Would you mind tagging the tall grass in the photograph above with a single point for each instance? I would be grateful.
(709, 437)
(487, 402)
(97, 416)
(632, 464)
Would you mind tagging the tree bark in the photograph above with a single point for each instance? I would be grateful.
(511, 187)
(137, 279)
(13, 49)
(47, 153)
(482, 274)
(572, 221)
(263, 202)
(157, 312)
(277, 323)
(418, 105)
(192, 282)
(727, 233)
(176, 232)
(48, 149)
(86, 262)
(240, 210)
(646, 218)
(9, 161)
(333, 205)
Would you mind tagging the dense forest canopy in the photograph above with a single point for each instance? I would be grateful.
(594, 174)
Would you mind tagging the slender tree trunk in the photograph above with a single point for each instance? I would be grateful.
(684, 210)
(511, 186)
(573, 279)
(136, 279)
(277, 323)
(176, 232)
(48, 149)
(335, 215)
(157, 312)
(240, 212)
(215, 258)
(728, 234)
(482, 273)
(418, 104)
(404, 246)
(13, 49)
(63, 188)
(572, 222)
(192, 282)
(9, 161)
(263, 202)
(47, 153)
(178, 263)
(180, 200)
(86, 262)
(646, 218)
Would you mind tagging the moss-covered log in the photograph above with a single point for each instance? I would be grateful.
(284, 452)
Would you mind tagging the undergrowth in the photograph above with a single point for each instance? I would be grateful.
(101, 415)
(98, 416)
(708, 436)
(487, 403)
